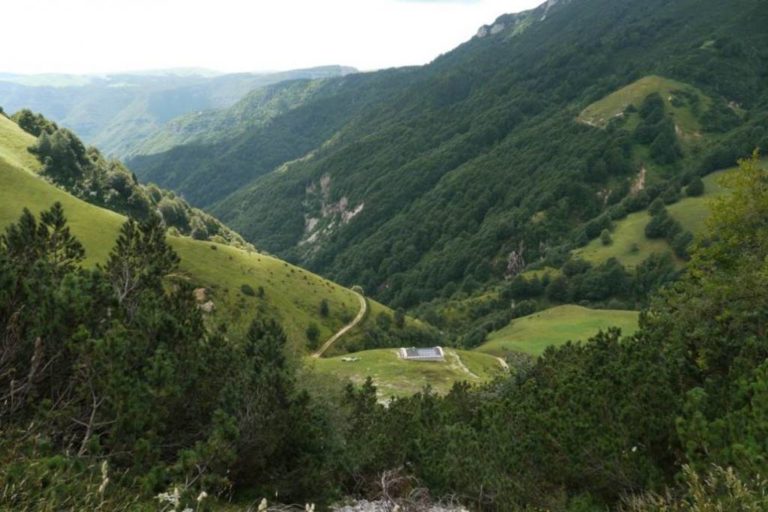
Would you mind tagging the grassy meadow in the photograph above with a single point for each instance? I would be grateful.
(630, 245)
(395, 377)
(532, 334)
(602, 111)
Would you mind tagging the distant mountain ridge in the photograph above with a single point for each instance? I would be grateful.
(117, 112)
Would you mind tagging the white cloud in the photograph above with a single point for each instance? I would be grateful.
(94, 36)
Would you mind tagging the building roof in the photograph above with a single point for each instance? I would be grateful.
(422, 353)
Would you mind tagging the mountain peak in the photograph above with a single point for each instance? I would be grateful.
(515, 23)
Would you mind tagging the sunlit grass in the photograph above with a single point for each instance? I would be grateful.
(532, 334)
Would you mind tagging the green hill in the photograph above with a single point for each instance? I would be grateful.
(291, 294)
(552, 327)
(601, 112)
(387, 177)
(395, 377)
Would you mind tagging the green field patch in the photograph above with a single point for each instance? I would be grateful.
(630, 245)
(601, 112)
(395, 377)
(532, 334)
(13, 146)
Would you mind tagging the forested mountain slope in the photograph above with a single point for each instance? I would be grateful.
(444, 171)
(117, 112)
(238, 284)
(266, 129)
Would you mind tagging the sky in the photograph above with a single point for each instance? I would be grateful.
(102, 36)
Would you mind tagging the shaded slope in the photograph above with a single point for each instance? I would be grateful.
(255, 140)
(477, 155)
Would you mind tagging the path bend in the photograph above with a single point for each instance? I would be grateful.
(344, 330)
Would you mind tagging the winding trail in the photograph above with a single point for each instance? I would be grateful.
(344, 330)
(461, 364)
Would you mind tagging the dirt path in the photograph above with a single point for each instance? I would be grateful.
(344, 330)
(461, 364)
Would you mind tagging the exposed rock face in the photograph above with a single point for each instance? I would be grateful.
(547, 6)
(638, 183)
(497, 27)
(515, 23)
(331, 214)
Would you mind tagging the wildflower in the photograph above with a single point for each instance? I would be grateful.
(167, 497)
(202, 496)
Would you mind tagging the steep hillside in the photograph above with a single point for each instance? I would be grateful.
(461, 170)
(678, 96)
(118, 112)
(631, 246)
(263, 132)
(280, 290)
(254, 110)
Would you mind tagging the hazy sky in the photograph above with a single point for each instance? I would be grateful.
(96, 36)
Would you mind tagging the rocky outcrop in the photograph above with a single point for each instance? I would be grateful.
(322, 216)
(515, 23)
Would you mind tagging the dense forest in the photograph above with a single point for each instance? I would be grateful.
(416, 182)
(99, 368)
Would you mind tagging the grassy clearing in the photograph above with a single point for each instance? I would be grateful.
(630, 245)
(613, 105)
(290, 293)
(532, 334)
(15, 142)
(395, 377)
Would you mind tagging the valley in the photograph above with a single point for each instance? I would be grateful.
(528, 274)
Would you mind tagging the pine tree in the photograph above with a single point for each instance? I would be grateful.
(139, 261)
(63, 250)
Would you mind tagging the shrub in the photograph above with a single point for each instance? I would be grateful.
(313, 335)
(248, 290)
(656, 206)
(605, 237)
(695, 188)
(680, 244)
